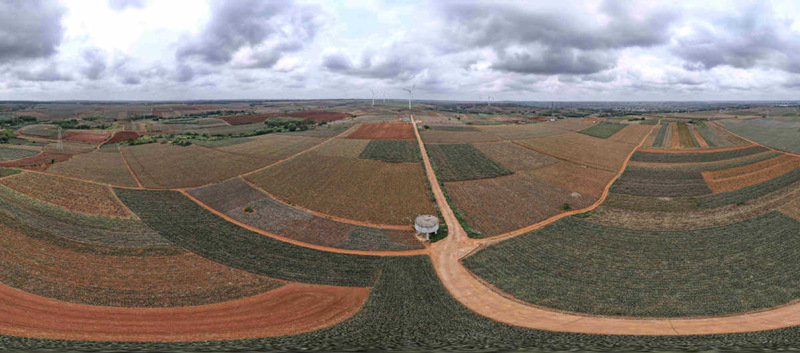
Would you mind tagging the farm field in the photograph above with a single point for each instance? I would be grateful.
(632, 134)
(385, 131)
(778, 136)
(685, 137)
(392, 151)
(695, 157)
(231, 197)
(514, 157)
(602, 130)
(343, 148)
(661, 136)
(272, 147)
(498, 205)
(169, 166)
(101, 166)
(357, 189)
(519, 132)
(456, 136)
(660, 182)
(566, 265)
(739, 177)
(122, 136)
(582, 150)
(89, 137)
(190, 226)
(71, 194)
(8, 154)
(463, 162)
(585, 181)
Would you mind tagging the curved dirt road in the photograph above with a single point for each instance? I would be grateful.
(476, 296)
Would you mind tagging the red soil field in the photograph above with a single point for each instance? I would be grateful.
(91, 137)
(122, 136)
(700, 140)
(385, 131)
(751, 174)
(291, 309)
(586, 181)
(41, 159)
(74, 195)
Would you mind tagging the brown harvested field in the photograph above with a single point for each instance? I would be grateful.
(122, 136)
(342, 148)
(582, 149)
(74, 195)
(56, 268)
(442, 136)
(168, 166)
(570, 176)
(90, 137)
(98, 166)
(498, 205)
(291, 309)
(272, 147)
(641, 212)
(751, 174)
(384, 131)
(318, 115)
(674, 136)
(700, 140)
(632, 134)
(247, 119)
(40, 161)
(357, 189)
(548, 128)
(514, 157)
(231, 197)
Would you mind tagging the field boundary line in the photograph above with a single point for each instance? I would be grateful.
(135, 177)
(301, 243)
(500, 237)
(325, 215)
(705, 150)
(699, 138)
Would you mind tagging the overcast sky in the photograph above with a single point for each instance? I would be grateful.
(542, 50)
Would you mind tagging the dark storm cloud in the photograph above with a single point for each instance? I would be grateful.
(121, 5)
(397, 62)
(749, 38)
(95, 63)
(47, 74)
(538, 42)
(29, 29)
(269, 28)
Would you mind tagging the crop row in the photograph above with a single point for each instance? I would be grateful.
(659, 157)
(654, 182)
(187, 224)
(393, 151)
(662, 134)
(686, 139)
(7, 154)
(751, 192)
(784, 138)
(463, 162)
(584, 267)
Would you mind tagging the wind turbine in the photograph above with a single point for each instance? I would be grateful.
(410, 94)
(373, 96)
(489, 100)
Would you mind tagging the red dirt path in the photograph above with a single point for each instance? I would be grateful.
(291, 309)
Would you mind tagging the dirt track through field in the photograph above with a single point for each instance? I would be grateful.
(290, 309)
(496, 305)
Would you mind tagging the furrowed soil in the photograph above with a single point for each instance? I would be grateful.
(498, 205)
(515, 157)
(71, 194)
(582, 150)
(98, 166)
(385, 131)
(739, 177)
(357, 189)
(231, 197)
(582, 267)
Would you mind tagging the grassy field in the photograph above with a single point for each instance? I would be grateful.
(231, 197)
(515, 157)
(77, 196)
(358, 189)
(187, 224)
(7, 154)
(578, 266)
(393, 151)
(780, 137)
(498, 205)
(463, 162)
(100, 166)
(603, 130)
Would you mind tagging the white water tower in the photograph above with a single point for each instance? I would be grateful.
(426, 224)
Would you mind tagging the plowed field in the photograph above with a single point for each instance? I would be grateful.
(583, 150)
(99, 166)
(751, 174)
(385, 131)
(71, 194)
